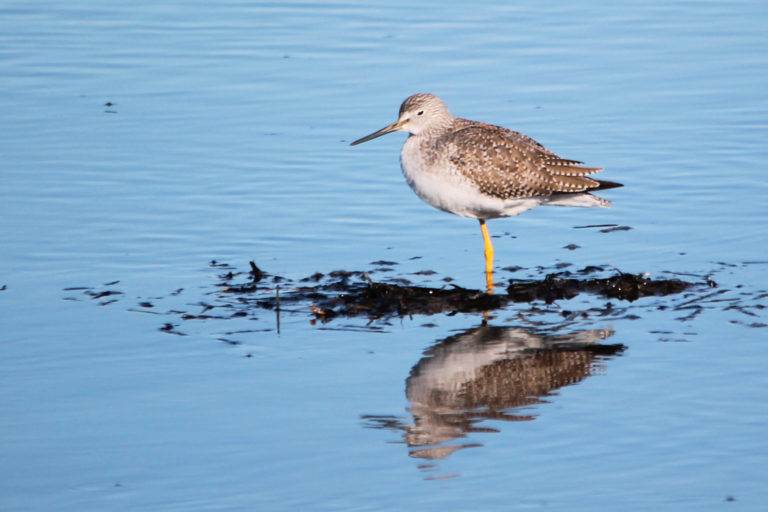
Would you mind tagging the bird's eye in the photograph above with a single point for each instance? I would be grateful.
(420, 112)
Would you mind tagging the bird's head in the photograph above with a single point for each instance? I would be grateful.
(418, 113)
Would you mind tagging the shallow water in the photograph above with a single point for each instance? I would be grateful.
(227, 139)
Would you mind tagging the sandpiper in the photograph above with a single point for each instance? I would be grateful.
(483, 171)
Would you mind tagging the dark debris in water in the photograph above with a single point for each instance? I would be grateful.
(379, 300)
(628, 287)
(256, 273)
(101, 294)
(344, 293)
(605, 228)
(171, 329)
(615, 228)
(379, 295)
(595, 226)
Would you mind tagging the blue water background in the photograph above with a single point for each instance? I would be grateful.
(228, 139)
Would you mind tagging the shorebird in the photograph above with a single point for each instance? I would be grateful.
(482, 171)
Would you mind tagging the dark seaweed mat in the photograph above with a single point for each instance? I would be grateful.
(355, 293)
(380, 295)
(629, 287)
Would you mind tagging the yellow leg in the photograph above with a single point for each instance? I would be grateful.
(488, 257)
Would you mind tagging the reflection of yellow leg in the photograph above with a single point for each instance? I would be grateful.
(488, 256)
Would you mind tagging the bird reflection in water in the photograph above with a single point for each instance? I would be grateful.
(485, 373)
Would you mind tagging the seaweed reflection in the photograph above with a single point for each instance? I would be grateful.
(485, 373)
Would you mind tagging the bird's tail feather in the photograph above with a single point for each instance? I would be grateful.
(605, 185)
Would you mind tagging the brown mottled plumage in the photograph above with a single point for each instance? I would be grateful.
(507, 164)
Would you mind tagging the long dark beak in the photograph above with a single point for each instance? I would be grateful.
(387, 129)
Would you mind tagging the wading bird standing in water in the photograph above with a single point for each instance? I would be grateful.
(482, 171)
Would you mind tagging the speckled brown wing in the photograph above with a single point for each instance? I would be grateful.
(508, 164)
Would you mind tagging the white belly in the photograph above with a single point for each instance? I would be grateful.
(447, 190)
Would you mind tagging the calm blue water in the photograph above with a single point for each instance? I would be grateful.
(227, 139)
